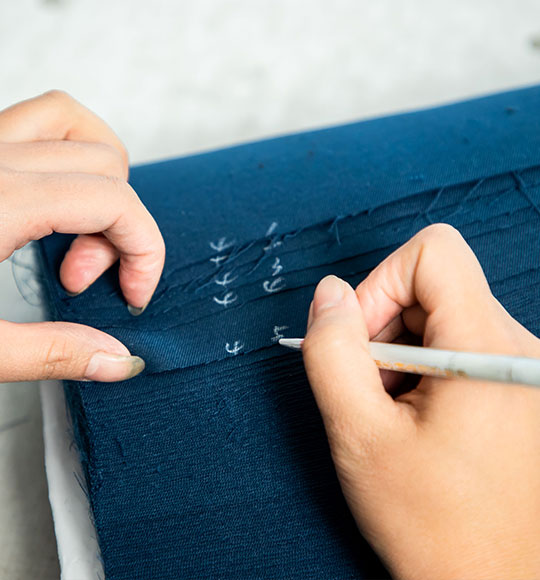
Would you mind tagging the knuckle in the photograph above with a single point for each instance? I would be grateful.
(59, 359)
(11, 183)
(143, 269)
(114, 164)
(440, 233)
(125, 197)
(159, 249)
(119, 188)
(92, 249)
(323, 337)
(138, 271)
(7, 179)
(440, 240)
(110, 161)
(58, 95)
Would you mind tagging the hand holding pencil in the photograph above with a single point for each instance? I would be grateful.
(442, 476)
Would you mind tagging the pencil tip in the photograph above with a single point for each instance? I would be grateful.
(295, 343)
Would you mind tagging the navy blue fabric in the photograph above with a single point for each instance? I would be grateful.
(213, 463)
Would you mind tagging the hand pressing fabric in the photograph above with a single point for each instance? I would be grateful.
(443, 480)
(62, 169)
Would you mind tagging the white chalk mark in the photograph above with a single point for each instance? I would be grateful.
(276, 267)
(235, 348)
(272, 245)
(275, 285)
(277, 333)
(228, 299)
(271, 229)
(225, 280)
(218, 259)
(221, 244)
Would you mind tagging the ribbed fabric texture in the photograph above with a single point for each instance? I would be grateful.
(214, 462)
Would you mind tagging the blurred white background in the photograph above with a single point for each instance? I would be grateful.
(178, 76)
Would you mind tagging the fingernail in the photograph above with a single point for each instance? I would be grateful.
(73, 294)
(310, 315)
(328, 293)
(107, 367)
(134, 311)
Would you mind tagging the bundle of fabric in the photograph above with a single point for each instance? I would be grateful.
(213, 463)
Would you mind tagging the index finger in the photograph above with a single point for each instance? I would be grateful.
(436, 269)
(86, 204)
(53, 116)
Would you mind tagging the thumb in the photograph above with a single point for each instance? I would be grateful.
(345, 380)
(62, 350)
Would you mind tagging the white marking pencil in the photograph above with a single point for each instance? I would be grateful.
(433, 362)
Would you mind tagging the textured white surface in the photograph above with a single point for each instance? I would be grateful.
(178, 76)
(175, 76)
(27, 546)
(78, 550)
